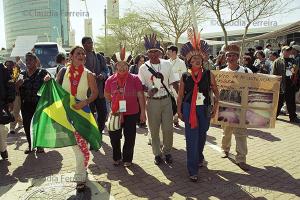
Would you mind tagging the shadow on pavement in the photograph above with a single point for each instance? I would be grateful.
(268, 180)
(263, 135)
(48, 163)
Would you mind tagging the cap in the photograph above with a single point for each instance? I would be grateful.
(232, 49)
(297, 47)
(286, 48)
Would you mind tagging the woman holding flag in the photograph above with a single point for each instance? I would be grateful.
(194, 102)
(125, 92)
(77, 80)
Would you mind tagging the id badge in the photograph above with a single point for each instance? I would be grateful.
(122, 106)
(200, 99)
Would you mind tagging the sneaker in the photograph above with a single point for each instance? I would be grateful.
(40, 150)
(295, 120)
(225, 154)
(28, 151)
(80, 187)
(243, 166)
(194, 178)
(169, 159)
(127, 164)
(158, 160)
(4, 155)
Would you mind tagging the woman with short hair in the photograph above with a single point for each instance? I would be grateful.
(125, 92)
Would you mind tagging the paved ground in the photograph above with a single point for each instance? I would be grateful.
(274, 156)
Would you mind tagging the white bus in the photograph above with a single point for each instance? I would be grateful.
(47, 52)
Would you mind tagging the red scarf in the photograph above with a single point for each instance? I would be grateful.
(75, 75)
(121, 81)
(193, 112)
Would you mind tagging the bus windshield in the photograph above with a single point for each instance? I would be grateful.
(46, 54)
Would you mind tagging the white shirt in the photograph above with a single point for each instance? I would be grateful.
(267, 52)
(240, 69)
(165, 68)
(178, 67)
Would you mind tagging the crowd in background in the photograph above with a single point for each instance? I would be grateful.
(29, 76)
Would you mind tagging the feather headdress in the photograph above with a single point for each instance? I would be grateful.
(151, 43)
(122, 56)
(195, 46)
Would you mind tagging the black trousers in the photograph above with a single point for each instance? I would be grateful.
(129, 131)
(289, 97)
(99, 106)
(27, 110)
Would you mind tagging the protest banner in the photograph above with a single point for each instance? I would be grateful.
(247, 100)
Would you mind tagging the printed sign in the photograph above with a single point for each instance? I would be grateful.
(247, 100)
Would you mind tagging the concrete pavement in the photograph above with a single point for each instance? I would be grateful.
(273, 156)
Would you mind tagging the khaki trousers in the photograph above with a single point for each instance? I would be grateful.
(16, 113)
(241, 142)
(159, 112)
(3, 137)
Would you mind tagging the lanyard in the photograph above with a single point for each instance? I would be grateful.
(122, 90)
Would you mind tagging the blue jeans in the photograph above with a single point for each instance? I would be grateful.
(196, 137)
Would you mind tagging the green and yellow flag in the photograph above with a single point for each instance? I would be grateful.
(55, 120)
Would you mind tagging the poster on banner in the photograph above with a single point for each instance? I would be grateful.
(247, 100)
(23, 45)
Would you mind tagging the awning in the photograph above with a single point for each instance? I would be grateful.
(292, 28)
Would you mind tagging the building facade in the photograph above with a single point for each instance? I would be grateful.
(112, 10)
(48, 19)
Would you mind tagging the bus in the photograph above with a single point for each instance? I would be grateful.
(47, 52)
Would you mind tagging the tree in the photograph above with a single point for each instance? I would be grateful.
(128, 31)
(173, 17)
(108, 45)
(225, 8)
(254, 10)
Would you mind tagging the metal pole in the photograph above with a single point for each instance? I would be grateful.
(195, 24)
(61, 25)
(86, 8)
(105, 27)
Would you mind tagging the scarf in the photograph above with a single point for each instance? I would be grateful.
(121, 81)
(75, 75)
(193, 112)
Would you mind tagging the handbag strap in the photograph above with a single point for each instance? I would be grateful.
(154, 73)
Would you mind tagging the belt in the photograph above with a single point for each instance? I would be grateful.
(159, 98)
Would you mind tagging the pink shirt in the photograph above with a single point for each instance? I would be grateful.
(132, 86)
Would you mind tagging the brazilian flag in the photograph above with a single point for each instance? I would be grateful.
(55, 120)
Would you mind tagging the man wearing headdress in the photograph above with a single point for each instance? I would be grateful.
(159, 105)
(232, 52)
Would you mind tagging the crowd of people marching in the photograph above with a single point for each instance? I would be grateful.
(133, 91)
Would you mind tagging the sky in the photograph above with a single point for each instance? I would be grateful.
(96, 12)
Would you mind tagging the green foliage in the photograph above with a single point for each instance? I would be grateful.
(128, 31)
